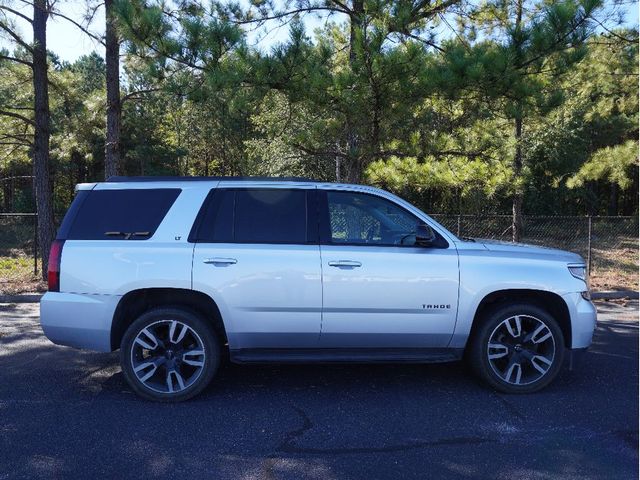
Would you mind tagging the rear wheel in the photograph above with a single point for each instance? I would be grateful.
(169, 354)
(518, 348)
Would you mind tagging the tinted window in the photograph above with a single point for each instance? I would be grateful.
(121, 214)
(271, 215)
(356, 218)
(67, 221)
(215, 220)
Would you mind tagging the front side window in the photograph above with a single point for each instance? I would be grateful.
(362, 219)
(256, 215)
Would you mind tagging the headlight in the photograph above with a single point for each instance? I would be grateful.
(578, 271)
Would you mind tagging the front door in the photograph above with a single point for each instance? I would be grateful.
(257, 256)
(379, 288)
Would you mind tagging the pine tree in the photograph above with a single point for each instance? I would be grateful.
(514, 56)
(41, 115)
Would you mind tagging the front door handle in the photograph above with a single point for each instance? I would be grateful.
(220, 261)
(345, 264)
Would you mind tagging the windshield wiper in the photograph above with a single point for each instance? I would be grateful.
(127, 235)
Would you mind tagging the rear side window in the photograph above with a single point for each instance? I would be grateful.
(132, 214)
(253, 215)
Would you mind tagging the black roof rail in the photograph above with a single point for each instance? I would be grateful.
(118, 179)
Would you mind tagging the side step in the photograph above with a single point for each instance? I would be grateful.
(346, 355)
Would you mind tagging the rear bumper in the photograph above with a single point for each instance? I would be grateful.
(78, 320)
(583, 320)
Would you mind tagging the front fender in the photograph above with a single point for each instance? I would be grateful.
(482, 274)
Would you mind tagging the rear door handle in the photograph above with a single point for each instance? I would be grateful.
(220, 261)
(345, 263)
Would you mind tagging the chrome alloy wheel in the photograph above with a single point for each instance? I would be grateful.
(521, 350)
(167, 356)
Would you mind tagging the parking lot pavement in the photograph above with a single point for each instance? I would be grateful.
(68, 414)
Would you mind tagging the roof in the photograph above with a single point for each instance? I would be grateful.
(205, 179)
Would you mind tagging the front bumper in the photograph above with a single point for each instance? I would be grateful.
(583, 319)
(575, 357)
(78, 320)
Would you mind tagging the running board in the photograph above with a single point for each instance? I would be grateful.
(346, 355)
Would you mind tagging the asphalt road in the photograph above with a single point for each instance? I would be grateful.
(68, 414)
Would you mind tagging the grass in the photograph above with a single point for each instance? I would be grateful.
(16, 274)
(615, 269)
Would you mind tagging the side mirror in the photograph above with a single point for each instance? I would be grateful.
(425, 235)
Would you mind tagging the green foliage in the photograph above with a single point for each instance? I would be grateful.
(15, 135)
(613, 164)
(91, 71)
(374, 95)
(601, 110)
(458, 173)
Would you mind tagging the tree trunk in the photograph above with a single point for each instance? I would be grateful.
(7, 188)
(354, 166)
(114, 107)
(613, 199)
(355, 24)
(516, 221)
(353, 172)
(42, 184)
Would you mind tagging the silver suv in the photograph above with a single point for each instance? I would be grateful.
(177, 272)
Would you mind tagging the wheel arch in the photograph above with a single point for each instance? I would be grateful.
(549, 301)
(136, 302)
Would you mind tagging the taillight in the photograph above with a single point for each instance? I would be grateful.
(53, 274)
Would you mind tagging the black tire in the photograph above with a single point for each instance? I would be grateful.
(199, 336)
(501, 373)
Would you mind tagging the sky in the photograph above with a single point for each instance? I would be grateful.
(69, 43)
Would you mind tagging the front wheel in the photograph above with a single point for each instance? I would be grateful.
(518, 348)
(169, 354)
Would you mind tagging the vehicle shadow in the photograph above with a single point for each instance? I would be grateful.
(24, 351)
(63, 409)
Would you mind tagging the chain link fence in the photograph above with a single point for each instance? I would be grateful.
(19, 264)
(609, 244)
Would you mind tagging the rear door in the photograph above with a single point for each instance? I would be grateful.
(257, 256)
(380, 289)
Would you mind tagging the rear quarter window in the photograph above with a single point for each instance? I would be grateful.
(132, 214)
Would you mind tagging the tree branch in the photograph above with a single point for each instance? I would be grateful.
(18, 108)
(344, 7)
(619, 37)
(154, 49)
(16, 37)
(91, 11)
(17, 13)
(454, 153)
(422, 40)
(323, 153)
(19, 138)
(15, 177)
(80, 26)
(14, 59)
(18, 116)
(291, 12)
(133, 95)
(433, 11)
(555, 44)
